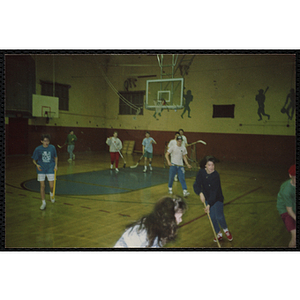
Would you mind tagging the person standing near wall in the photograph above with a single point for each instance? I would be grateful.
(148, 150)
(208, 187)
(184, 139)
(115, 145)
(45, 159)
(178, 155)
(286, 204)
(70, 141)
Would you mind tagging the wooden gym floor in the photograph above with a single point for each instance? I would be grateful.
(97, 221)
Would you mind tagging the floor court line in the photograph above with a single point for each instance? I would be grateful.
(239, 197)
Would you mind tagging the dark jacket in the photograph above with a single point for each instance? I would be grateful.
(209, 185)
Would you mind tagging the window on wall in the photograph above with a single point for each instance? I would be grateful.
(61, 92)
(223, 111)
(136, 98)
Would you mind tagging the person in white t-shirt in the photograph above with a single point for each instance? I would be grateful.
(115, 145)
(184, 139)
(178, 155)
(171, 143)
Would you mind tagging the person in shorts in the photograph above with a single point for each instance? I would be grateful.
(45, 159)
(148, 150)
(286, 204)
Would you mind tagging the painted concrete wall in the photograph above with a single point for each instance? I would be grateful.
(213, 80)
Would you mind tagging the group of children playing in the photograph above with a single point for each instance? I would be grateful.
(161, 225)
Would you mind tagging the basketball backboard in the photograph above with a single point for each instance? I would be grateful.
(45, 106)
(164, 92)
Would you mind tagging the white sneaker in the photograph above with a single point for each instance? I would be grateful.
(185, 193)
(43, 206)
(70, 160)
(111, 166)
(150, 167)
(117, 170)
(170, 191)
(52, 198)
(176, 178)
(73, 156)
(145, 170)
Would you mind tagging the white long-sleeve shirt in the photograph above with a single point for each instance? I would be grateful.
(114, 144)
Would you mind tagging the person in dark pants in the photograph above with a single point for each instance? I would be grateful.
(208, 187)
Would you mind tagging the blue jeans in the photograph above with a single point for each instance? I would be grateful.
(70, 149)
(217, 216)
(181, 176)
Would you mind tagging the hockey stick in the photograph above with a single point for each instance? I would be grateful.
(137, 162)
(61, 146)
(54, 184)
(213, 228)
(123, 159)
(200, 141)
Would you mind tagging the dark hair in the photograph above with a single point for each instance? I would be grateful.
(181, 130)
(205, 159)
(161, 222)
(47, 136)
(71, 130)
(177, 132)
(148, 132)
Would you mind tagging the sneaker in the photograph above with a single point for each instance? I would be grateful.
(228, 235)
(43, 206)
(185, 193)
(170, 191)
(176, 178)
(219, 236)
(52, 198)
(70, 160)
(117, 170)
(73, 156)
(145, 170)
(111, 166)
(150, 167)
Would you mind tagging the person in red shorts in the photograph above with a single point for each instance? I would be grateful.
(286, 204)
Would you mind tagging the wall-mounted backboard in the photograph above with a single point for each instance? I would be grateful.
(166, 92)
(45, 106)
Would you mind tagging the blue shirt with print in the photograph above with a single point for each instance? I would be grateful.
(45, 158)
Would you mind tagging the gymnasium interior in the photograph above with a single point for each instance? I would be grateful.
(98, 93)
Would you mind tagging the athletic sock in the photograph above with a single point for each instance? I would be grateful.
(44, 201)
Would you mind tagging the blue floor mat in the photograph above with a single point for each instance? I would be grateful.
(106, 181)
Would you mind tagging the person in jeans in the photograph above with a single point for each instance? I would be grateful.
(286, 204)
(70, 141)
(178, 154)
(157, 228)
(208, 187)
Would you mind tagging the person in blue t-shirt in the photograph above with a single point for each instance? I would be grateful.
(45, 159)
(148, 150)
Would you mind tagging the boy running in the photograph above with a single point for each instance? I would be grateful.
(45, 159)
